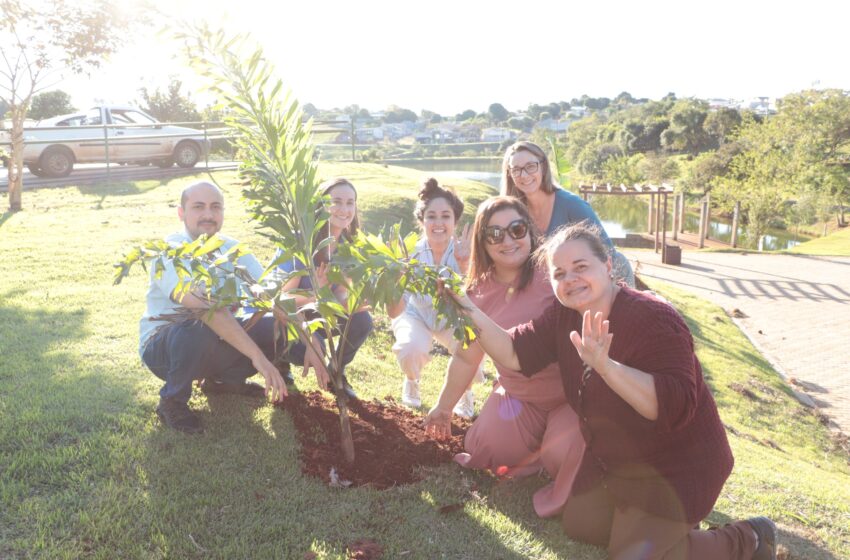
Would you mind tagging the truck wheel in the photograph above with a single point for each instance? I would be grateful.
(56, 161)
(186, 154)
(35, 170)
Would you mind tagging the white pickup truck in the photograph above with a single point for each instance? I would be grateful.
(113, 133)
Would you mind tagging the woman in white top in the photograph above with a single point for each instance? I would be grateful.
(415, 324)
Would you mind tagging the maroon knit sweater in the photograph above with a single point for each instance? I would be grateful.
(673, 467)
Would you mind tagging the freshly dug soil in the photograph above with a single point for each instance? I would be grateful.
(389, 441)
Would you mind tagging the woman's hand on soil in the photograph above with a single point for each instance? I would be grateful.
(438, 423)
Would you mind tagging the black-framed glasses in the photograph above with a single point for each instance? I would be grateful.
(529, 169)
(517, 229)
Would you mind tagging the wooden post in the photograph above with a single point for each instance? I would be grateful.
(657, 218)
(649, 221)
(701, 242)
(676, 216)
(682, 213)
(664, 231)
(735, 214)
(707, 214)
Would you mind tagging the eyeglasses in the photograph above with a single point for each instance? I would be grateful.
(517, 229)
(529, 168)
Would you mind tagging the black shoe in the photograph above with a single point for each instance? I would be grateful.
(766, 531)
(348, 389)
(246, 389)
(176, 415)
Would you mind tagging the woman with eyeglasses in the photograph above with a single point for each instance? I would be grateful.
(414, 319)
(526, 174)
(656, 454)
(526, 424)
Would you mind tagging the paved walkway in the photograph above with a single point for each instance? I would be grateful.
(797, 312)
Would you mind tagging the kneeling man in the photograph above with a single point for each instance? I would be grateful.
(216, 348)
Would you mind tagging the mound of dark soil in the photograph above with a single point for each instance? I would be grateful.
(389, 441)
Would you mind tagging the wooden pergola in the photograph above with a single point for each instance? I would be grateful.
(657, 220)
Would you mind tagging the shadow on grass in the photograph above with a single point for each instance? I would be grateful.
(64, 411)
(122, 188)
(4, 217)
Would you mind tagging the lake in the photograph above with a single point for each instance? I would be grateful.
(619, 214)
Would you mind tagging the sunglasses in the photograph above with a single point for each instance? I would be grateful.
(517, 229)
(528, 168)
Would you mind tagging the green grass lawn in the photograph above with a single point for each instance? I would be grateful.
(86, 470)
(834, 244)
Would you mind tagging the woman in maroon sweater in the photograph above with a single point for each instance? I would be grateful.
(657, 454)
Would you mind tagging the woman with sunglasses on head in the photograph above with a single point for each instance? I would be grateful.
(656, 452)
(526, 174)
(526, 424)
(415, 324)
(343, 223)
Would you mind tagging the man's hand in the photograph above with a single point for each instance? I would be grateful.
(438, 423)
(275, 386)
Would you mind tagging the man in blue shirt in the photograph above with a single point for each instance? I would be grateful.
(215, 348)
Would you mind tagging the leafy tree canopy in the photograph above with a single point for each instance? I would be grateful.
(170, 105)
(50, 104)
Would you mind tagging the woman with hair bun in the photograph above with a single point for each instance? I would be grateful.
(415, 324)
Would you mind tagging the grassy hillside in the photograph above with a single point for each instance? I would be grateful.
(834, 244)
(86, 470)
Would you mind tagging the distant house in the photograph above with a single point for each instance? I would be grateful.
(553, 125)
(721, 103)
(578, 111)
(760, 106)
(497, 134)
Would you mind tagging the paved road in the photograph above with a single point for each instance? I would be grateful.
(797, 312)
(93, 173)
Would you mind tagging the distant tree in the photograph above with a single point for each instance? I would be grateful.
(430, 116)
(669, 97)
(50, 104)
(658, 168)
(498, 112)
(686, 132)
(39, 39)
(364, 113)
(522, 123)
(624, 98)
(170, 105)
(465, 116)
(565, 106)
(544, 116)
(554, 110)
(624, 170)
(310, 110)
(396, 114)
(706, 168)
(720, 124)
(534, 110)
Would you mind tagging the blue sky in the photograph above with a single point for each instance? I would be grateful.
(447, 56)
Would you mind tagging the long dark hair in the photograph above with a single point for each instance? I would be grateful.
(480, 263)
(349, 233)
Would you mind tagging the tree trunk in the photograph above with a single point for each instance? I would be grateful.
(346, 438)
(16, 161)
(345, 430)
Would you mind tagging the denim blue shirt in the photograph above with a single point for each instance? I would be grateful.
(571, 209)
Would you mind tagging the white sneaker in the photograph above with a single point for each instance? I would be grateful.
(410, 393)
(465, 407)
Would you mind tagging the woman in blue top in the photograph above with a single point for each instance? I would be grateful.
(527, 176)
(343, 221)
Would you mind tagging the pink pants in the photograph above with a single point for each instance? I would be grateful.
(518, 438)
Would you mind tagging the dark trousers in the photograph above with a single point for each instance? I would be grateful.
(632, 534)
(179, 353)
